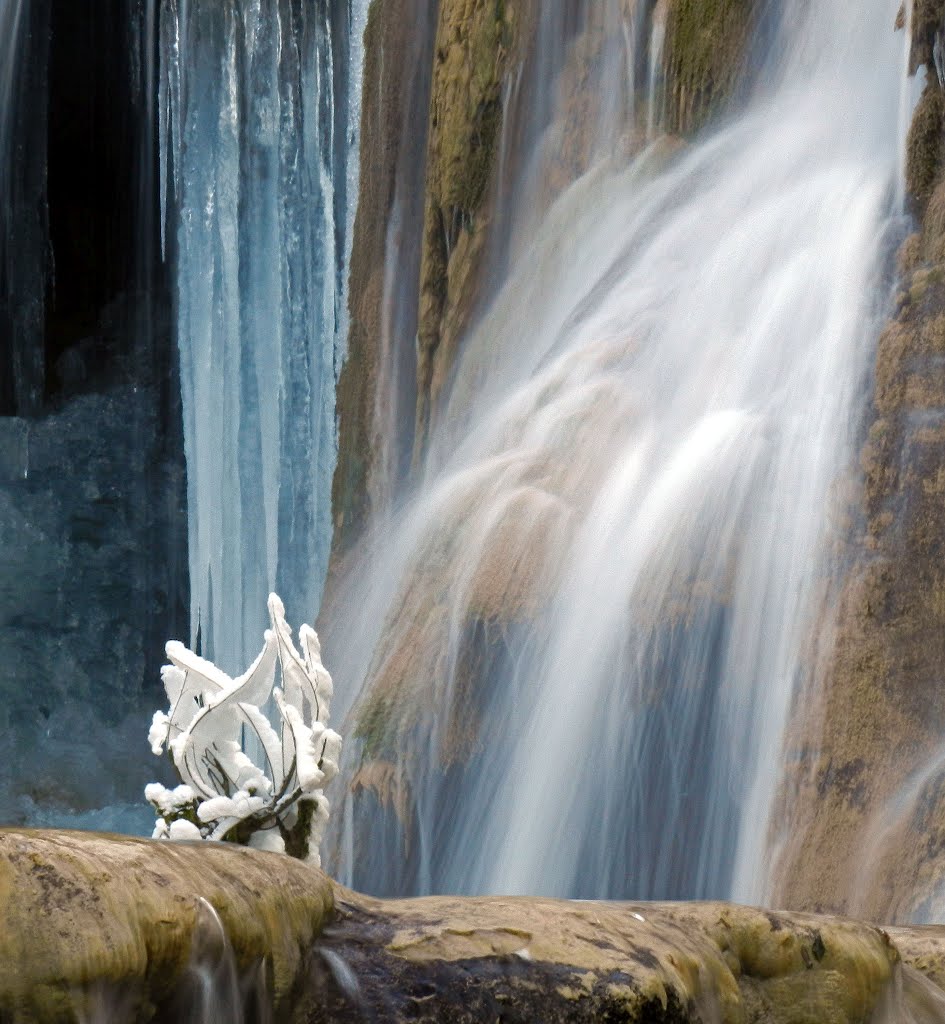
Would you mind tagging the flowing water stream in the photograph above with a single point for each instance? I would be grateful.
(576, 648)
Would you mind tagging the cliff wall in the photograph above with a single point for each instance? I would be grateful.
(863, 828)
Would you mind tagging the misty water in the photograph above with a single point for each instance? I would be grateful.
(624, 521)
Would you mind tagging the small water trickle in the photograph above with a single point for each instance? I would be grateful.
(654, 90)
(910, 998)
(212, 989)
(343, 974)
(907, 101)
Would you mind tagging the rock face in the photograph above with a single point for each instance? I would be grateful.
(92, 925)
(380, 366)
(866, 799)
(91, 517)
(93, 527)
(529, 960)
(706, 43)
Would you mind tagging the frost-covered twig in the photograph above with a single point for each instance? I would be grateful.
(224, 794)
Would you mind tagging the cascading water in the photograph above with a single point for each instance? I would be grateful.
(577, 649)
(255, 147)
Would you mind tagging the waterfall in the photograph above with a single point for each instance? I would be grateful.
(255, 144)
(576, 650)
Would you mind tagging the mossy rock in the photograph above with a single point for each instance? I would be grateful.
(706, 42)
(475, 43)
(86, 917)
(563, 962)
(924, 148)
(928, 19)
(472, 50)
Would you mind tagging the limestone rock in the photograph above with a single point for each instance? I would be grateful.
(524, 960)
(92, 923)
(706, 43)
(87, 918)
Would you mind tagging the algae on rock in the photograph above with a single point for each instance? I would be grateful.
(85, 916)
(475, 43)
(705, 61)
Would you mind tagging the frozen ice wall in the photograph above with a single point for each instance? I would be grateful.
(254, 112)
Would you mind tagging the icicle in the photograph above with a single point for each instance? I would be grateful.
(359, 13)
(248, 156)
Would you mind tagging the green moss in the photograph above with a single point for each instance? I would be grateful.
(69, 932)
(474, 43)
(924, 148)
(373, 729)
(472, 50)
(296, 838)
(705, 50)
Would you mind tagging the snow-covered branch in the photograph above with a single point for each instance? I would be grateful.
(241, 779)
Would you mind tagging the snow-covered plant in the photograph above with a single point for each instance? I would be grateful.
(241, 780)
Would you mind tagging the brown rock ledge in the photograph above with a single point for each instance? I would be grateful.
(96, 927)
(89, 922)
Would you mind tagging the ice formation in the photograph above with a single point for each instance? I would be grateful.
(253, 159)
(241, 780)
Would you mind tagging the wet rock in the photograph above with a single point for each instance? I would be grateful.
(530, 959)
(93, 531)
(706, 67)
(90, 921)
